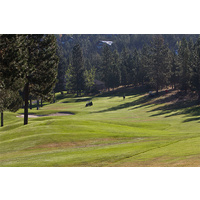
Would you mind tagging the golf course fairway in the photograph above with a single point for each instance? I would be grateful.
(114, 132)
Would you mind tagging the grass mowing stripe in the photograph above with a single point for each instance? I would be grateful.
(101, 135)
(81, 156)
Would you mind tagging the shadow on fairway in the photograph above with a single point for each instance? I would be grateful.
(145, 100)
(172, 104)
(140, 102)
(83, 99)
(189, 108)
(127, 91)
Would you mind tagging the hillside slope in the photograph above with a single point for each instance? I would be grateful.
(137, 131)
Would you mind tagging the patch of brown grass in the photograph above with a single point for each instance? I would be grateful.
(83, 144)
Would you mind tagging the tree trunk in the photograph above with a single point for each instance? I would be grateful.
(54, 98)
(26, 93)
(198, 97)
(37, 104)
(1, 118)
(41, 103)
(31, 104)
(157, 89)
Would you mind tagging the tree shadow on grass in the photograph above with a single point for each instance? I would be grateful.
(189, 108)
(127, 91)
(172, 103)
(139, 102)
(192, 119)
(78, 100)
(143, 101)
(83, 99)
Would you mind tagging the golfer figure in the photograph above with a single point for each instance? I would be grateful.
(124, 97)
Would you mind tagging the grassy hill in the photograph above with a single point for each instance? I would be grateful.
(137, 131)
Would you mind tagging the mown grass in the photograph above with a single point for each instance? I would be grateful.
(137, 131)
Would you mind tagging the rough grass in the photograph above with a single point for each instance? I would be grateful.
(137, 131)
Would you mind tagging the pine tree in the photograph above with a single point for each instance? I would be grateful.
(184, 65)
(195, 79)
(130, 69)
(12, 61)
(69, 78)
(107, 61)
(116, 78)
(11, 78)
(137, 70)
(43, 77)
(41, 73)
(175, 73)
(159, 63)
(144, 63)
(62, 68)
(89, 76)
(124, 64)
(29, 64)
(77, 70)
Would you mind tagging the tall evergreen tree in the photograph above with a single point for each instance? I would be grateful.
(77, 69)
(107, 61)
(144, 63)
(43, 77)
(184, 65)
(124, 64)
(62, 68)
(130, 68)
(175, 73)
(116, 77)
(89, 76)
(30, 61)
(41, 68)
(137, 70)
(159, 63)
(12, 59)
(195, 79)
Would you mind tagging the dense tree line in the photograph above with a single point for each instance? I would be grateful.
(128, 48)
(155, 65)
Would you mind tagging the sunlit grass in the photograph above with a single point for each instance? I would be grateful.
(113, 132)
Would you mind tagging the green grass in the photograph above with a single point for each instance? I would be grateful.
(137, 131)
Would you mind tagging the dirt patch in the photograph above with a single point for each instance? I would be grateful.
(54, 114)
